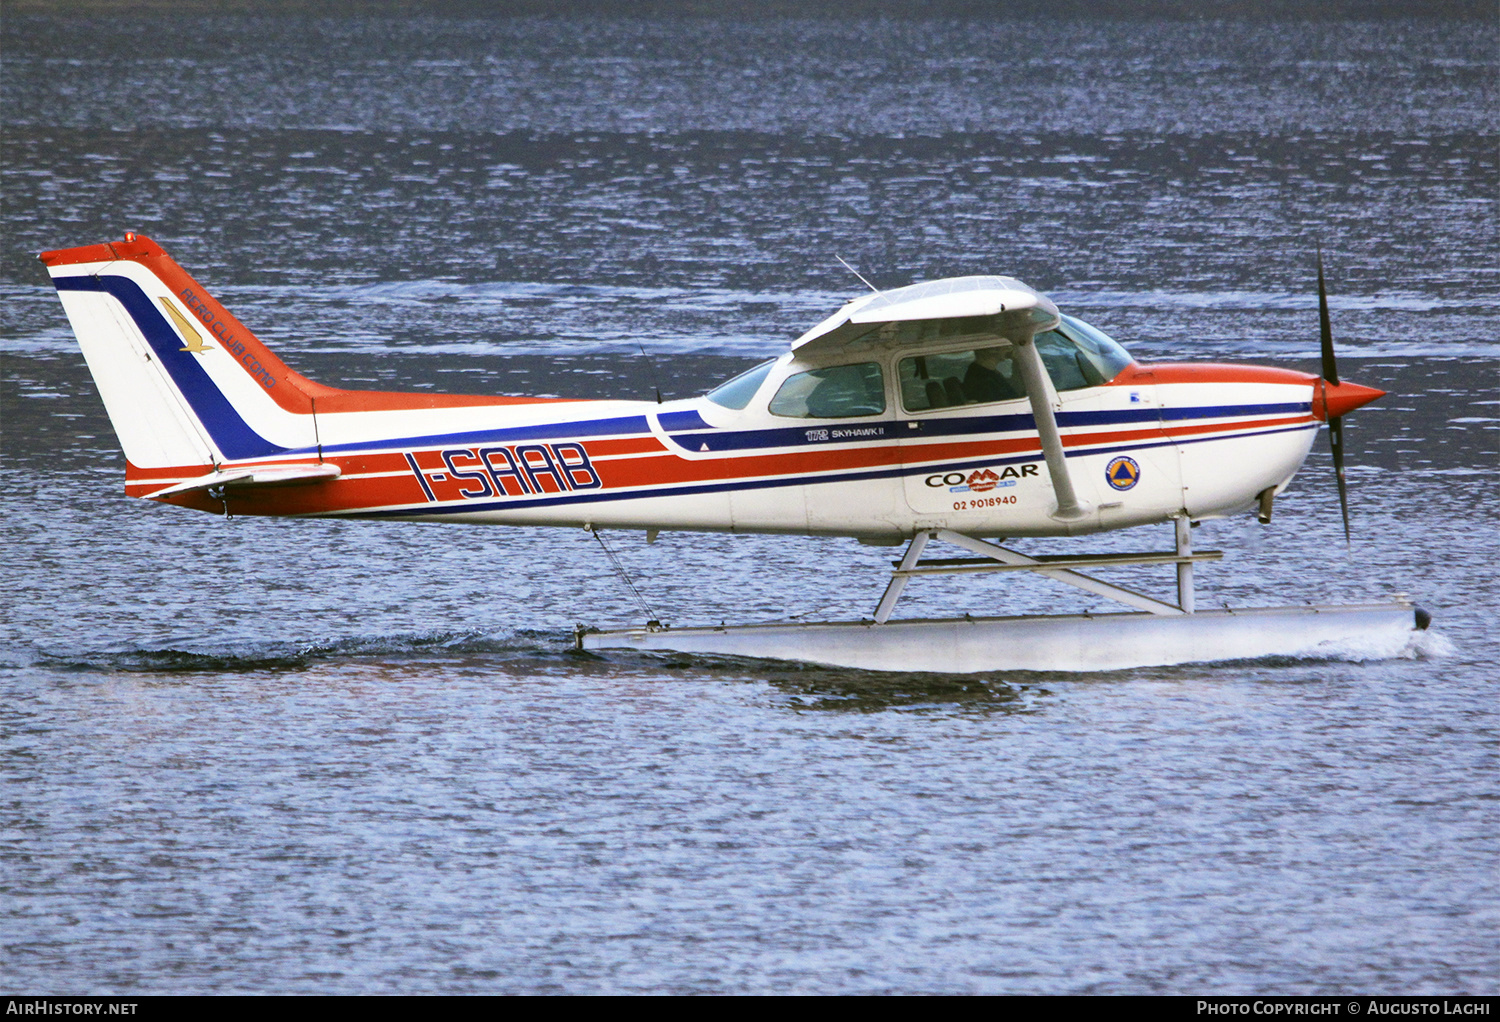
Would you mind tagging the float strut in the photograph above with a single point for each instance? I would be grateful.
(1184, 530)
(898, 581)
(1054, 569)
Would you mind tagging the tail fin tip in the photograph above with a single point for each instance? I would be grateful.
(134, 246)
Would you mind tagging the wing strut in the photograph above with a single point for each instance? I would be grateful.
(1039, 391)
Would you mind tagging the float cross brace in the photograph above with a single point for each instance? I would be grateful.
(1059, 568)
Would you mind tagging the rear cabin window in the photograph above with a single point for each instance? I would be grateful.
(837, 392)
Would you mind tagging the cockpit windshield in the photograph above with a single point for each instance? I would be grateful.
(1096, 347)
(736, 393)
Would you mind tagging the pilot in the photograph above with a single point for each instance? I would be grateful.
(984, 380)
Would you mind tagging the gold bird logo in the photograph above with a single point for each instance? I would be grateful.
(193, 337)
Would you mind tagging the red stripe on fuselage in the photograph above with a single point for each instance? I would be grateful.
(1126, 436)
(177, 473)
(329, 496)
(1210, 372)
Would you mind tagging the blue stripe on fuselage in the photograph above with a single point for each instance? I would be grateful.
(677, 421)
(695, 489)
(890, 430)
(624, 425)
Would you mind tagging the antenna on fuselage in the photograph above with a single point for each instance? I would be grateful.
(652, 363)
(852, 270)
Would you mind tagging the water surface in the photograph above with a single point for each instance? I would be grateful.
(270, 756)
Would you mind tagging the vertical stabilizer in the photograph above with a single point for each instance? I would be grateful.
(184, 382)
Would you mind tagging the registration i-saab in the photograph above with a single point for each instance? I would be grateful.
(965, 411)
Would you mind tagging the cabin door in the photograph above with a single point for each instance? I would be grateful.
(965, 415)
(1138, 472)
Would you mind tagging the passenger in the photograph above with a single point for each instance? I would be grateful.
(984, 381)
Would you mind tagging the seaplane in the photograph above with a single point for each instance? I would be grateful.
(968, 411)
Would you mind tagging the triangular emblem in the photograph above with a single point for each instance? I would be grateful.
(1122, 473)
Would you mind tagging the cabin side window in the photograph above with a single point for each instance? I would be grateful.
(1075, 356)
(954, 378)
(834, 393)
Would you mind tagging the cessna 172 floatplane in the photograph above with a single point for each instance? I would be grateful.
(965, 411)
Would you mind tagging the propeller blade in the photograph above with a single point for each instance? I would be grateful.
(1330, 367)
(1331, 374)
(1336, 441)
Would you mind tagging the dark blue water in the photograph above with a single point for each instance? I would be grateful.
(279, 756)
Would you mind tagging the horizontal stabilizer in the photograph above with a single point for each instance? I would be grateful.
(255, 475)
